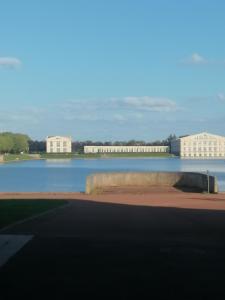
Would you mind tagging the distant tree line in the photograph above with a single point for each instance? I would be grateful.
(37, 146)
(17, 143)
(13, 142)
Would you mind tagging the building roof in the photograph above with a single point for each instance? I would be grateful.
(58, 137)
(206, 134)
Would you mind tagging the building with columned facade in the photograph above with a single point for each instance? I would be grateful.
(125, 149)
(59, 144)
(202, 145)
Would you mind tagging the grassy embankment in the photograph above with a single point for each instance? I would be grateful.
(103, 155)
(21, 157)
(18, 157)
(12, 211)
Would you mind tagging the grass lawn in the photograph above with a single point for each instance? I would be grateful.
(12, 211)
(103, 155)
(16, 157)
(59, 155)
(19, 157)
(144, 154)
(70, 155)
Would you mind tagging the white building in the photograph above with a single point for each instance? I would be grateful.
(58, 144)
(202, 145)
(125, 149)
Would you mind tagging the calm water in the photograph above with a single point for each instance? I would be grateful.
(70, 175)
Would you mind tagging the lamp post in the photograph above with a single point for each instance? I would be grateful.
(207, 172)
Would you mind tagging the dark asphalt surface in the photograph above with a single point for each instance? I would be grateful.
(114, 251)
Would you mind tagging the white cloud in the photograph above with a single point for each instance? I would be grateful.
(195, 59)
(89, 117)
(28, 115)
(151, 103)
(119, 117)
(116, 109)
(10, 62)
(221, 96)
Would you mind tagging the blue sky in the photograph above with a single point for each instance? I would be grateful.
(112, 70)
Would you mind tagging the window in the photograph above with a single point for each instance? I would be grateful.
(58, 149)
(58, 144)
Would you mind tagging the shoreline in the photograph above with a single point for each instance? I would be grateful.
(113, 157)
(73, 156)
(87, 157)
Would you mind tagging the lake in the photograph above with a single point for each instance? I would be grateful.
(64, 175)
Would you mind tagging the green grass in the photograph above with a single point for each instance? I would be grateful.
(12, 211)
(59, 155)
(16, 157)
(19, 157)
(158, 154)
(102, 155)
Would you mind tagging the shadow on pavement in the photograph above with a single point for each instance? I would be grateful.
(112, 251)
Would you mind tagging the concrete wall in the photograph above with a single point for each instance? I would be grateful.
(96, 183)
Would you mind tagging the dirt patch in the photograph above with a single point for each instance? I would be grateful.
(166, 197)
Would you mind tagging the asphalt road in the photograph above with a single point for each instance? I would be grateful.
(103, 250)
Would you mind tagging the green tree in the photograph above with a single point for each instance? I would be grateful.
(13, 142)
(6, 144)
(20, 143)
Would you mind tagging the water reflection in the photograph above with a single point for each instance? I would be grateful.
(202, 165)
(57, 163)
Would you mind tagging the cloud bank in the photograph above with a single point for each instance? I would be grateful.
(197, 59)
(151, 103)
(221, 97)
(10, 62)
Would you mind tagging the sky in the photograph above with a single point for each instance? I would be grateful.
(112, 70)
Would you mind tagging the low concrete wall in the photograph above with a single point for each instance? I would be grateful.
(96, 183)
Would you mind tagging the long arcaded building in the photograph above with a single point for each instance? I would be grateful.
(125, 149)
(202, 145)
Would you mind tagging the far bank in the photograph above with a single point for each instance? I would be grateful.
(21, 157)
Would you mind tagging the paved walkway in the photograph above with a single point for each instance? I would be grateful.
(164, 250)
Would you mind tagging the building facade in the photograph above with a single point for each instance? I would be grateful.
(58, 144)
(125, 149)
(202, 145)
